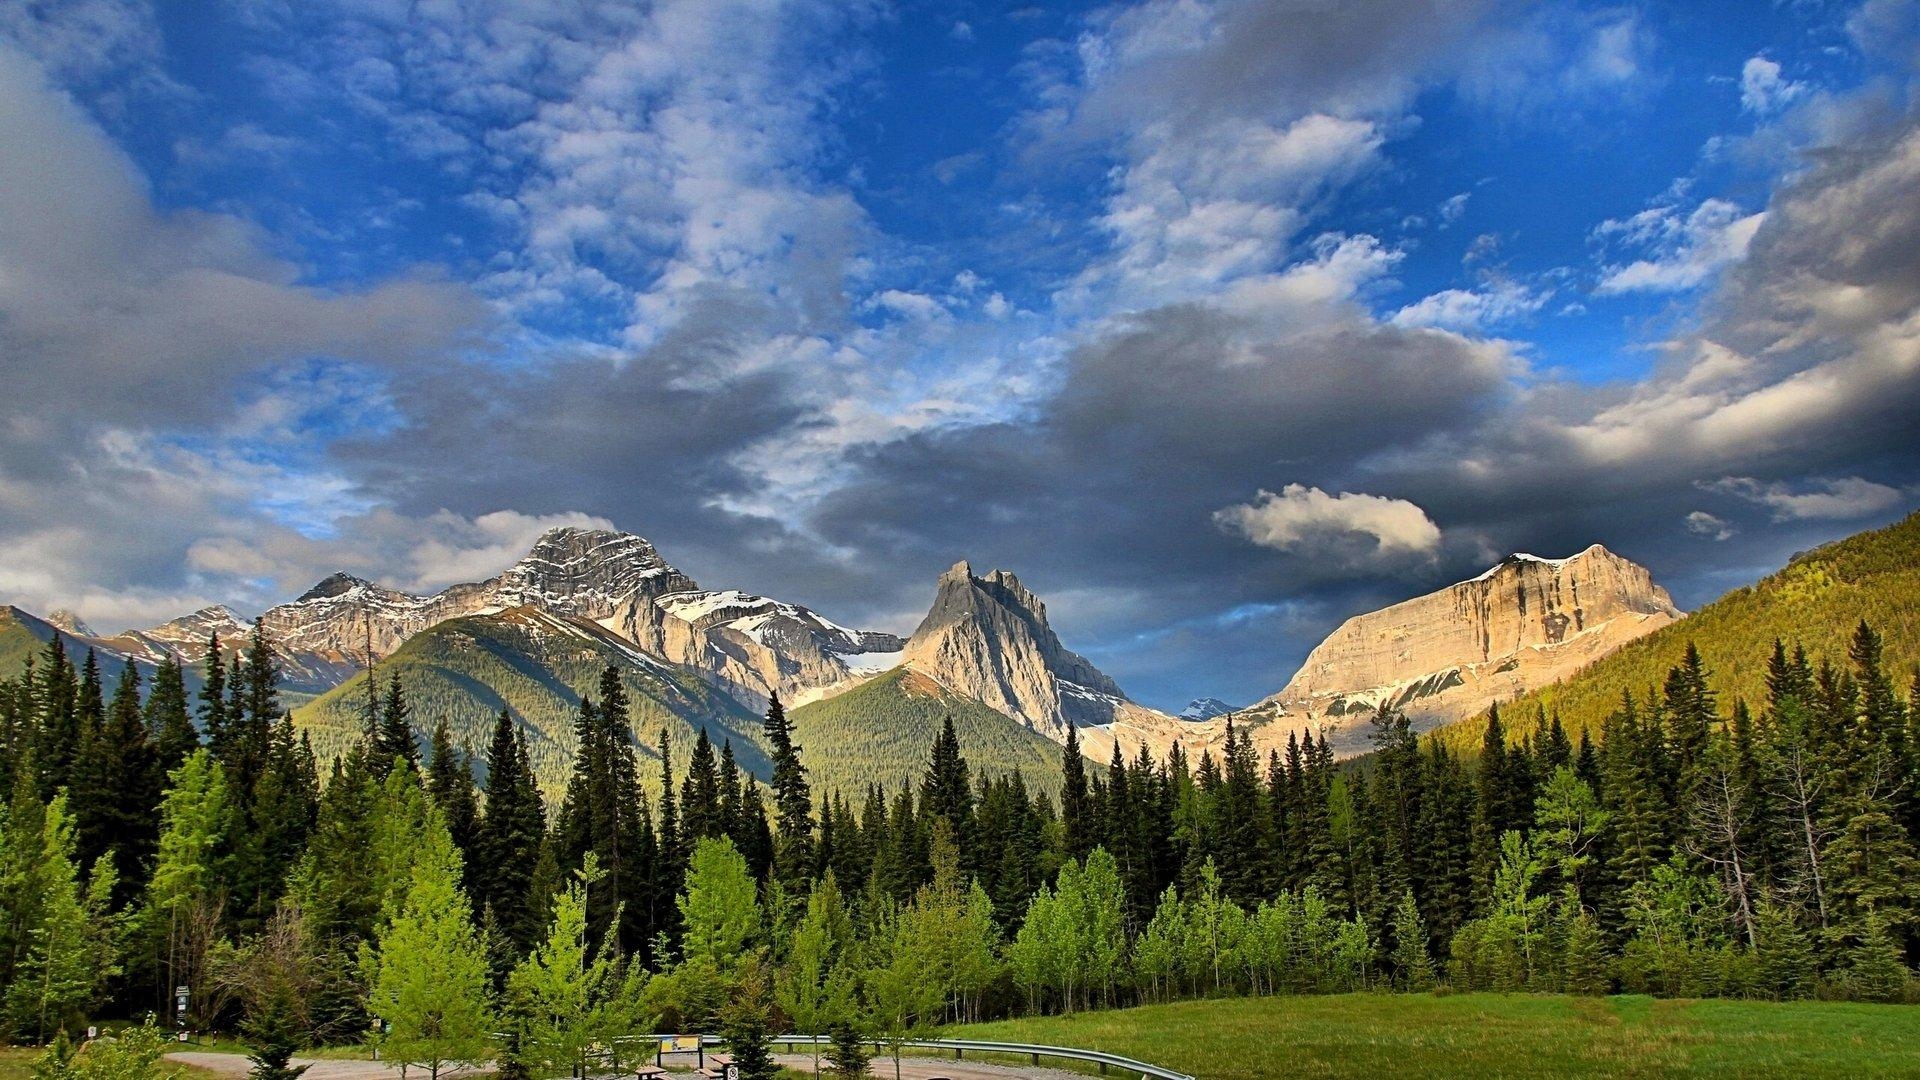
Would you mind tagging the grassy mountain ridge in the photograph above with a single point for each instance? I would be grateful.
(1817, 600)
(882, 731)
(536, 665)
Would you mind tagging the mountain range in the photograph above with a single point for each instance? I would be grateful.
(531, 638)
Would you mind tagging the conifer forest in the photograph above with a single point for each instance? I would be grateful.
(155, 839)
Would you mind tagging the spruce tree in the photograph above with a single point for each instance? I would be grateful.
(793, 861)
(1075, 805)
(508, 839)
(396, 728)
(450, 783)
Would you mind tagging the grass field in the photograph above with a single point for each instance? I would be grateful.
(16, 1063)
(1379, 1036)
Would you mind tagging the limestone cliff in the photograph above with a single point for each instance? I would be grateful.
(988, 638)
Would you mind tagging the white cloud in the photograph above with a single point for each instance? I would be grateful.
(1701, 523)
(1453, 208)
(1762, 88)
(1197, 210)
(1842, 499)
(1309, 520)
(1678, 252)
(910, 305)
(1470, 310)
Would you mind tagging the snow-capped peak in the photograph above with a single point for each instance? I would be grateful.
(1205, 708)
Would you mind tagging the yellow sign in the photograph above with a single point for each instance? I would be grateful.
(679, 1044)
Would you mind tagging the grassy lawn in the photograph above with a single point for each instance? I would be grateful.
(1378, 1036)
(17, 1064)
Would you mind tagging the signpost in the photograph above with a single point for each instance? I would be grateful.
(180, 1012)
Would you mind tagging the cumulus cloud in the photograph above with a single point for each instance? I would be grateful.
(1764, 90)
(1676, 252)
(1700, 523)
(1844, 499)
(1302, 517)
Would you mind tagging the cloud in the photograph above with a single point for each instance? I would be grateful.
(1701, 523)
(1762, 88)
(1453, 208)
(1845, 499)
(1301, 517)
(1470, 310)
(1678, 252)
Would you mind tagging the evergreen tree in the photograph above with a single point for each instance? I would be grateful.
(1412, 964)
(701, 815)
(67, 958)
(793, 860)
(169, 729)
(450, 783)
(184, 899)
(1075, 808)
(395, 739)
(508, 838)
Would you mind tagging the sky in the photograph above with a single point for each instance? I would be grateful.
(1215, 321)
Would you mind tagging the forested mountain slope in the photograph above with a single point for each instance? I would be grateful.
(882, 731)
(535, 664)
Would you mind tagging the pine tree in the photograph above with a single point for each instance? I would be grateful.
(169, 729)
(701, 815)
(185, 896)
(66, 960)
(56, 738)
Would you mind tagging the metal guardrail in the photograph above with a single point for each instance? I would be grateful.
(961, 1047)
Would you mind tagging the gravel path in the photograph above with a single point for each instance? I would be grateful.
(235, 1065)
(238, 1065)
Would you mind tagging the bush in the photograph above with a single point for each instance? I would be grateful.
(849, 1055)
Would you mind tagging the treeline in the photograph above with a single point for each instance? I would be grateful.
(1698, 848)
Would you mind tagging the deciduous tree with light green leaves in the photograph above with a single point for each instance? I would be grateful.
(182, 913)
(69, 953)
(816, 986)
(720, 907)
(563, 1000)
(428, 977)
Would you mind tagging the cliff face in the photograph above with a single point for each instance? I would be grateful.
(988, 638)
(1448, 655)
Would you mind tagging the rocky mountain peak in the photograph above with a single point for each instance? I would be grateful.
(71, 623)
(335, 584)
(1205, 708)
(1525, 622)
(988, 638)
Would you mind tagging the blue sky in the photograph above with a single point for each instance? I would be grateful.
(1218, 321)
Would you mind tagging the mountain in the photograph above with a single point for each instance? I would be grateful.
(535, 663)
(882, 731)
(1205, 708)
(1816, 600)
(751, 646)
(987, 638)
(1523, 624)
